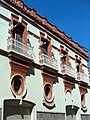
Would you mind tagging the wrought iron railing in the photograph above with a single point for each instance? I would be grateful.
(82, 77)
(48, 61)
(67, 70)
(19, 48)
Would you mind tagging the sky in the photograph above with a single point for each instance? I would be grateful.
(70, 16)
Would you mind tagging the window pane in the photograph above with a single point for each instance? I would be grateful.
(18, 36)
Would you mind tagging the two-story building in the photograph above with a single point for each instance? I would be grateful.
(44, 73)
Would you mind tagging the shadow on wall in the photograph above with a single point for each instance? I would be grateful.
(31, 70)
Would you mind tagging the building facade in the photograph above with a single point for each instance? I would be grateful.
(44, 73)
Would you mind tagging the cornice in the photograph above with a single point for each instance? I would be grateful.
(19, 4)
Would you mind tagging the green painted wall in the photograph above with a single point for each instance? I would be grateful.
(3, 34)
(5, 91)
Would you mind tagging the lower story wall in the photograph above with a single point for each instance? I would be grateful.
(57, 116)
(50, 116)
(85, 117)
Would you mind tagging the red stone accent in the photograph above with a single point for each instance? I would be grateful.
(33, 13)
(10, 33)
(22, 88)
(24, 39)
(20, 4)
(48, 78)
(54, 28)
(81, 70)
(25, 8)
(67, 60)
(44, 21)
(50, 48)
(82, 90)
(48, 100)
(39, 19)
(49, 26)
(17, 68)
(68, 85)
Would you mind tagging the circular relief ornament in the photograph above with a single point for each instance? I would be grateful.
(18, 86)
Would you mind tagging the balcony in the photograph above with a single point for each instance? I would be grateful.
(45, 60)
(19, 48)
(82, 77)
(67, 70)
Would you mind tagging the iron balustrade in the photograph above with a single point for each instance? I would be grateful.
(19, 48)
(82, 77)
(48, 61)
(67, 70)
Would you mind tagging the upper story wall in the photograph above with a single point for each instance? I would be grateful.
(32, 33)
(4, 16)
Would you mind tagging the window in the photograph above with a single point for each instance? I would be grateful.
(18, 31)
(78, 66)
(83, 103)
(48, 92)
(17, 35)
(18, 86)
(64, 55)
(63, 58)
(83, 92)
(44, 46)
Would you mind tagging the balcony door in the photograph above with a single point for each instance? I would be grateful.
(17, 36)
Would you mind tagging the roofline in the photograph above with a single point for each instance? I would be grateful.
(19, 4)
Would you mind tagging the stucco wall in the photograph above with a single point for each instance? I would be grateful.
(5, 92)
(34, 81)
